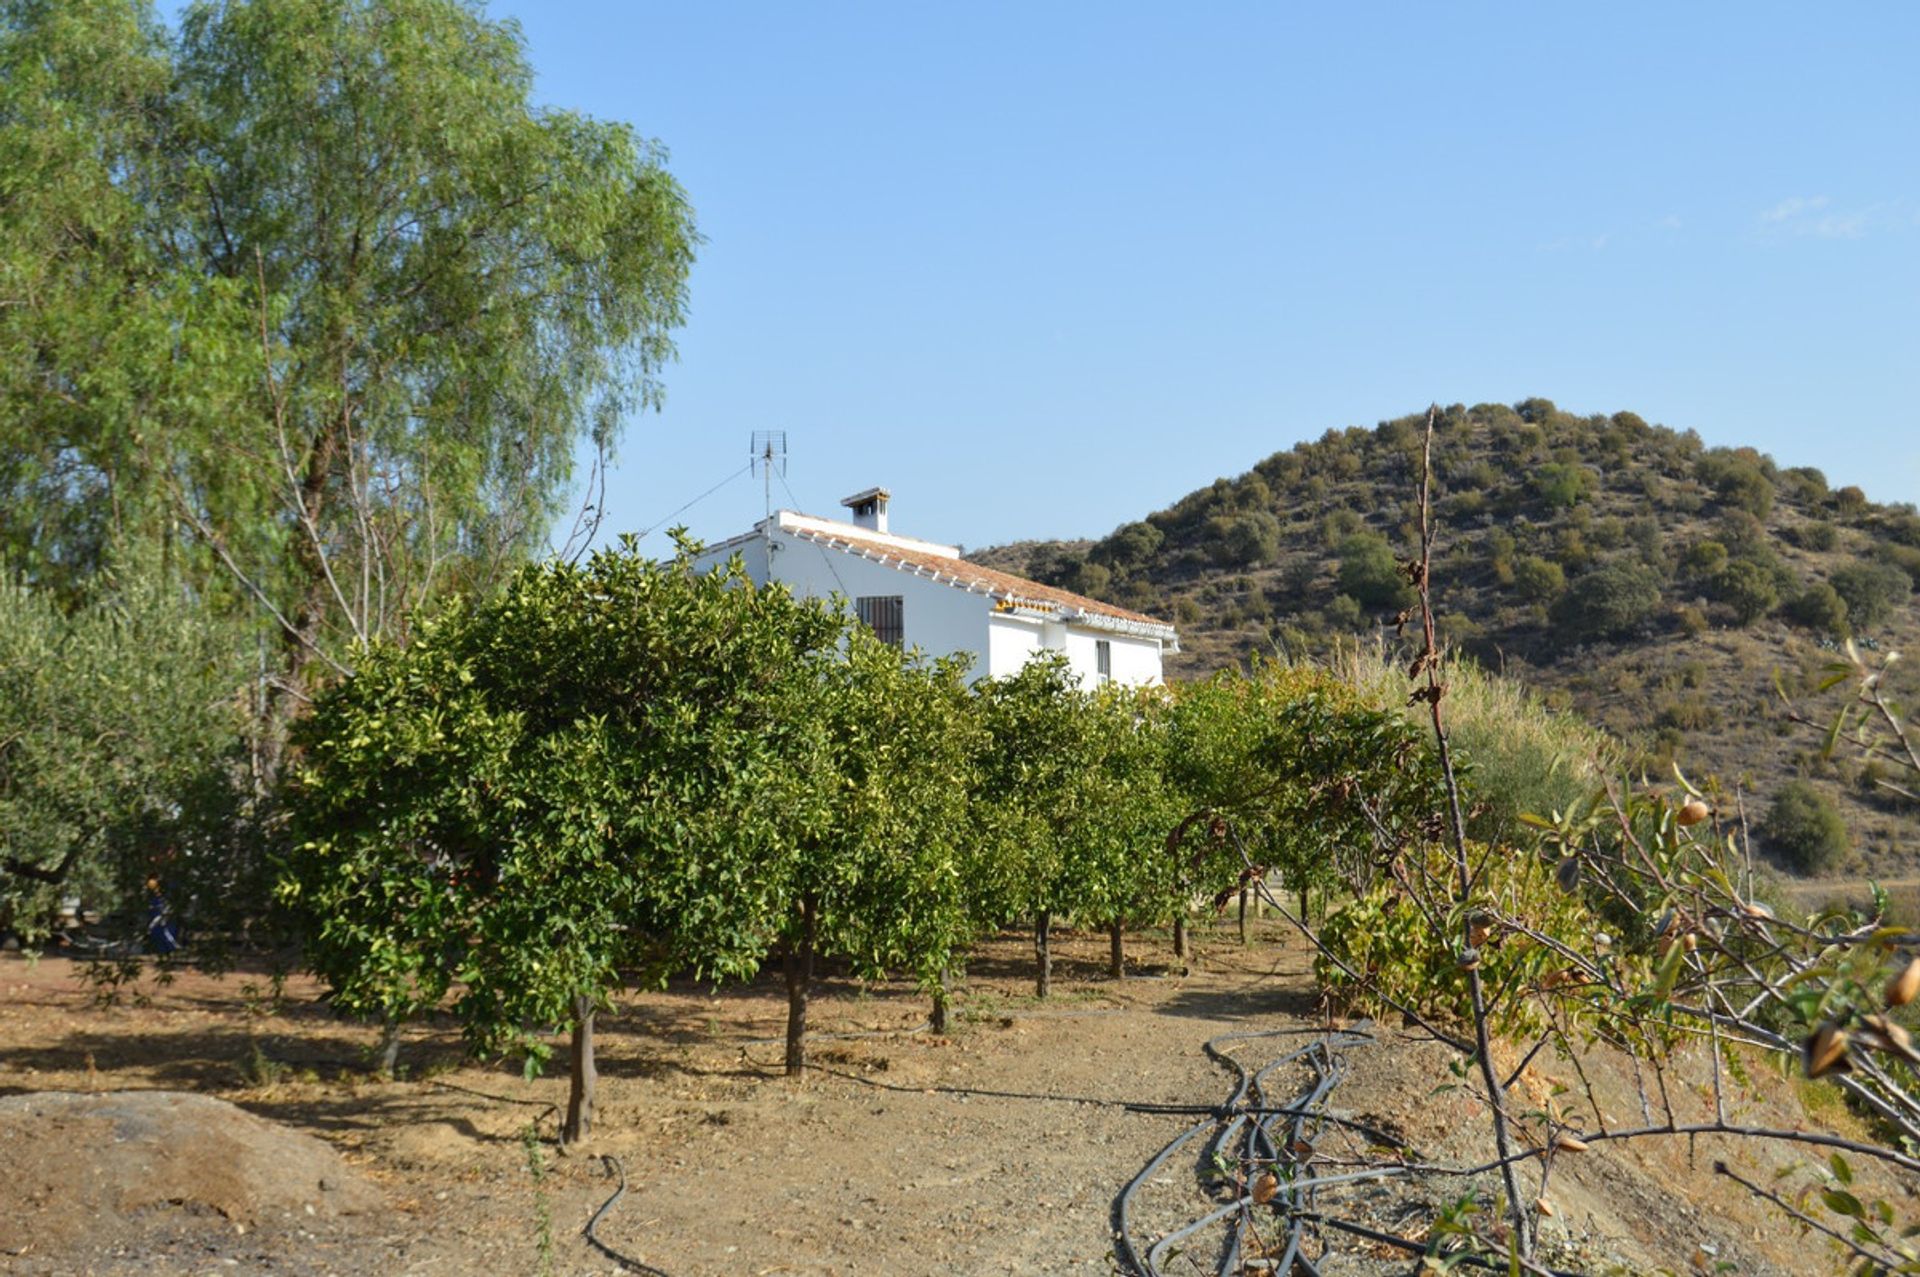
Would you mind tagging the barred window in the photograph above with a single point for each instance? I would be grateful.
(1103, 660)
(881, 613)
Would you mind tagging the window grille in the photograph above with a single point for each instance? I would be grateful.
(881, 613)
(1103, 660)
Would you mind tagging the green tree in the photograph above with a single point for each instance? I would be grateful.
(1371, 574)
(324, 288)
(1131, 545)
(1747, 588)
(1608, 601)
(1538, 580)
(1819, 607)
(1804, 827)
(117, 738)
(1563, 485)
(1039, 782)
(1242, 540)
(880, 879)
(1872, 591)
(604, 768)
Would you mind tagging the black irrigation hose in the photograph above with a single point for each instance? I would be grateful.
(1255, 1118)
(615, 1167)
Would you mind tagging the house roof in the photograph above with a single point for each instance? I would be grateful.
(1010, 593)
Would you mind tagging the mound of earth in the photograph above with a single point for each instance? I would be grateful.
(79, 1170)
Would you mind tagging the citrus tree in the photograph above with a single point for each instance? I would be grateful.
(605, 767)
(879, 877)
(1039, 787)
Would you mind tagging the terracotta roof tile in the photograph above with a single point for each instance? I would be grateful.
(1004, 586)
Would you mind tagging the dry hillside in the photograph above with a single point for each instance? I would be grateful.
(1621, 569)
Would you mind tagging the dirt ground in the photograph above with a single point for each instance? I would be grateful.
(865, 1168)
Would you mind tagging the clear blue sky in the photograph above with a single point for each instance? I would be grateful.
(1042, 268)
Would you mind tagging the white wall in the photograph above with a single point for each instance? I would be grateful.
(938, 618)
(1011, 641)
(1135, 660)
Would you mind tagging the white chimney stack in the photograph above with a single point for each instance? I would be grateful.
(869, 508)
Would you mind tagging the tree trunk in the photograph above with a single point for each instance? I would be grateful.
(1043, 957)
(389, 1048)
(1116, 951)
(1243, 915)
(1180, 934)
(585, 1078)
(1303, 902)
(938, 1020)
(799, 981)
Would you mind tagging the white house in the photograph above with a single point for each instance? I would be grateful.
(916, 593)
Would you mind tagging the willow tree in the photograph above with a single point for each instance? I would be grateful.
(598, 771)
(314, 295)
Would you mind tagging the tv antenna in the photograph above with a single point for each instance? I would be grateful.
(770, 460)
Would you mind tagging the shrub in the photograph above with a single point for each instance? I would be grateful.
(1805, 484)
(1609, 600)
(1738, 480)
(1748, 589)
(1563, 485)
(1130, 545)
(1820, 536)
(1371, 574)
(1820, 608)
(1538, 580)
(1345, 613)
(1871, 590)
(1904, 557)
(1339, 525)
(1242, 540)
(1704, 560)
(1804, 829)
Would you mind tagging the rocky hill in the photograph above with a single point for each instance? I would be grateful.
(1622, 569)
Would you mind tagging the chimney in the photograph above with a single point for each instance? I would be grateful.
(869, 508)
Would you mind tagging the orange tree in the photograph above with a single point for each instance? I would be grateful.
(879, 875)
(604, 768)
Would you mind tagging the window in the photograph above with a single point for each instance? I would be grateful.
(881, 613)
(1103, 660)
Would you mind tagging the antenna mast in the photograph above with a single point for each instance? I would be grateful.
(769, 459)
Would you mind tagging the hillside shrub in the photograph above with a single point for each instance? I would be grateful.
(1738, 480)
(1563, 485)
(1819, 535)
(1243, 540)
(1608, 601)
(1904, 557)
(1345, 613)
(1804, 484)
(1130, 545)
(1820, 608)
(1538, 580)
(1703, 560)
(1747, 589)
(1371, 574)
(1871, 590)
(1804, 828)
